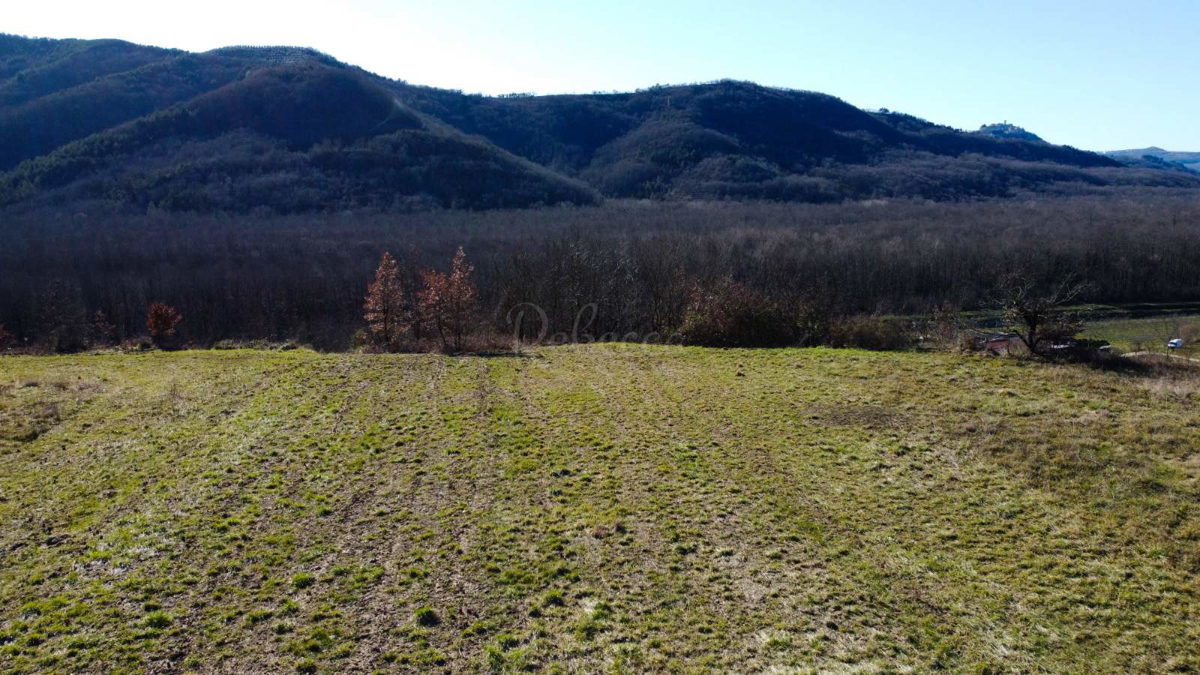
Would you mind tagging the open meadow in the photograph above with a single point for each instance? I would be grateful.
(596, 508)
(478, 337)
(1149, 333)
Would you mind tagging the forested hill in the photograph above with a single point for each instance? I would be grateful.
(293, 130)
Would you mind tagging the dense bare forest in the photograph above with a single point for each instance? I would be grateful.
(627, 267)
(251, 193)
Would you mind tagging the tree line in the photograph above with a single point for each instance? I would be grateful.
(715, 273)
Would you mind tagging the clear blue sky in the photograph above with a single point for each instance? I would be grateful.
(1100, 75)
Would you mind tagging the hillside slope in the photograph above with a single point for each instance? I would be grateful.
(33, 68)
(293, 130)
(733, 139)
(1187, 160)
(234, 130)
(594, 508)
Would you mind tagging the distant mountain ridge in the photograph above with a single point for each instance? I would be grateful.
(291, 129)
(1165, 158)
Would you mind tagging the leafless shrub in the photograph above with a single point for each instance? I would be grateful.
(874, 333)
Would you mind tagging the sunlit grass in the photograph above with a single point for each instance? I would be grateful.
(595, 508)
(1149, 334)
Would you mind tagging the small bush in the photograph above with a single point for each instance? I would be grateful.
(872, 332)
(730, 314)
(140, 344)
(303, 580)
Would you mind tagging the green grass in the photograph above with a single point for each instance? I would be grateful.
(1148, 334)
(595, 508)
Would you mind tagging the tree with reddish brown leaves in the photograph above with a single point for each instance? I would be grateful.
(448, 302)
(161, 320)
(5, 338)
(386, 308)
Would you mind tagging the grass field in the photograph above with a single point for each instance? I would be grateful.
(595, 508)
(1148, 334)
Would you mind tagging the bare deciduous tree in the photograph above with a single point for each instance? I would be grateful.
(1039, 319)
(103, 332)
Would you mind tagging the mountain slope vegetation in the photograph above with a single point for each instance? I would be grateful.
(293, 130)
(741, 140)
(287, 130)
(30, 69)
